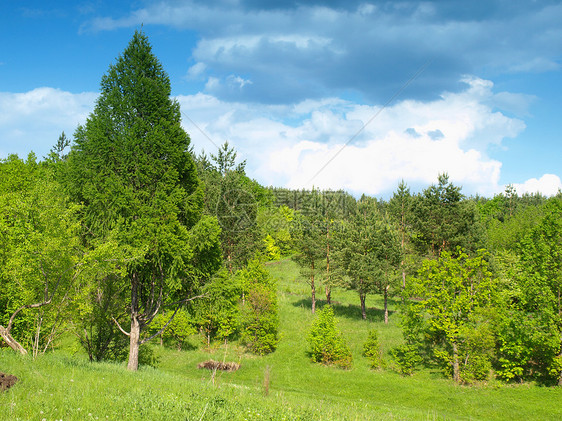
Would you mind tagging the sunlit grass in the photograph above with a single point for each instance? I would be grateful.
(64, 386)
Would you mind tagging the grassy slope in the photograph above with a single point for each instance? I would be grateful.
(61, 386)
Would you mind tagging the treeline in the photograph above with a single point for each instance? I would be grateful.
(480, 279)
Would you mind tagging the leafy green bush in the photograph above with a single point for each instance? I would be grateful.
(371, 350)
(260, 319)
(406, 357)
(326, 343)
(216, 314)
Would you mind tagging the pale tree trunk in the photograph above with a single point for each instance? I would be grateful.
(362, 298)
(386, 304)
(134, 335)
(12, 343)
(134, 344)
(456, 370)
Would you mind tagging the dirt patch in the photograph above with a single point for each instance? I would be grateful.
(217, 365)
(7, 381)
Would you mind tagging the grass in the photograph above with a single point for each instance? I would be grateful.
(283, 385)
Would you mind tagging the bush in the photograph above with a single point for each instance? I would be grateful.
(372, 350)
(326, 343)
(407, 357)
(260, 319)
(217, 314)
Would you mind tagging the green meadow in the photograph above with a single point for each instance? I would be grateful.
(63, 384)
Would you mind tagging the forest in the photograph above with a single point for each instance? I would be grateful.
(123, 242)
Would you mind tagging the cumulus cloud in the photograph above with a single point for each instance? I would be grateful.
(548, 184)
(34, 120)
(410, 140)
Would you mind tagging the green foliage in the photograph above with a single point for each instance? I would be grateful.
(99, 302)
(367, 253)
(528, 328)
(309, 236)
(40, 253)
(260, 318)
(453, 298)
(216, 313)
(272, 251)
(234, 199)
(326, 343)
(443, 221)
(132, 169)
(178, 330)
(372, 350)
(407, 357)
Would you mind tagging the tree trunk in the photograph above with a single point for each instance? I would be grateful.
(313, 289)
(386, 304)
(456, 370)
(328, 289)
(362, 297)
(134, 335)
(560, 378)
(134, 346)
(12, 343)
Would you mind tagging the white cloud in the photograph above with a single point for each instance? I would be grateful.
(34, 120)
(289, 145)
(196, 71)
(548, 184)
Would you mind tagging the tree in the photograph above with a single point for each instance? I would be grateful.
(372, 350)
(217, 313)
(444, 221)
(326, 343)
(234, 199)
(260, 318)
(531, 328)
(40, 255)
(308, 233)
(400, 209)
(453, 294)
(367, 253)
(132, 169)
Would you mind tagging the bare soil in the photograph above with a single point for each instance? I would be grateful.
(7, 381)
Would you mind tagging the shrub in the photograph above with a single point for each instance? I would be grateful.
(372, 350)
(260, 319)
(406, 357)
(326, 343)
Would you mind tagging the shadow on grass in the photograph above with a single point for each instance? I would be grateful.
(350, 311)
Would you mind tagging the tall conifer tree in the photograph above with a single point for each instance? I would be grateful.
(132, 168)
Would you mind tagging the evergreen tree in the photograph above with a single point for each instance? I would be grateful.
(132, 168)
(444, 221)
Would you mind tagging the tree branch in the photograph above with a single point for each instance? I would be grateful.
(163, 328)
(119, 326)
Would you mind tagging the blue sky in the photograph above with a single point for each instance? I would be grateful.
(289, 84)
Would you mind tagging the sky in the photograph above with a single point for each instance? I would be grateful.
(354, 95)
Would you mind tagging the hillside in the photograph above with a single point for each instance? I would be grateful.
(283, 385)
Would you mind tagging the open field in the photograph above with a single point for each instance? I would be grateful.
(283, 385)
